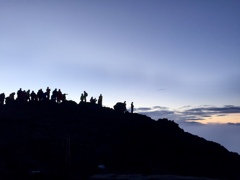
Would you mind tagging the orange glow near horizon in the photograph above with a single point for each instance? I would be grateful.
(229, 118)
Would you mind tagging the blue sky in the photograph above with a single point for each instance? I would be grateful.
(181, 55)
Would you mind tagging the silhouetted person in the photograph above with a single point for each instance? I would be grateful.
(100, 98)
(33, 96)
(40, 94)
(93, 100)
(19, 94)
(59, 96)
(54, 95)
(23, 96)
(48, 93)
(2, 98)
(7, 101)
(28, 95)
(82, 98)
(44, 97)
(64, 97)
(85, 94)
(11, 96)
(132, 107)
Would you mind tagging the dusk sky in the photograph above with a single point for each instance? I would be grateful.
(175, 59)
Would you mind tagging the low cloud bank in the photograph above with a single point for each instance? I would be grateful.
(224, 134)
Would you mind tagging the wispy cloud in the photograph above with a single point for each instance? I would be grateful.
(161, 89)
(234, 124)
(213, 110)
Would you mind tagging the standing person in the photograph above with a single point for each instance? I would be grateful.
(59, 96)
(92, 100)
(54, 95)
(28, 95)
(19, 92)
(24, 96)
(33, 96)
(85, 94)
(124, 107)
(48, 93)
(11, 96)
(40, 95)
(132, 107)
(81, 98)
(2, 98)
(100, 100)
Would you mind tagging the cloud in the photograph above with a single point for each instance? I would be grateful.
(234, 124)
(188, 113)
(161, 89)
(159, 112)
(160, 107)
(143, 109)
(214, 110)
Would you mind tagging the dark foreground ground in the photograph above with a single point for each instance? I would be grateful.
(142, 177)
(45, 140)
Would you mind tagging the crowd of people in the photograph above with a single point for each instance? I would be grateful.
(56, 96)
(83, 98)
(27, 96)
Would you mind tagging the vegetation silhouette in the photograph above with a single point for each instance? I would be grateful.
(49, 140)
(120, 107)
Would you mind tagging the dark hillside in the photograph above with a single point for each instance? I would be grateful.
(45, 140)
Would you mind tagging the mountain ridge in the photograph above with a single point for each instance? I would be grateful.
(75, 140)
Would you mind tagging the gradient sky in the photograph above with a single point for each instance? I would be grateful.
(178, 59)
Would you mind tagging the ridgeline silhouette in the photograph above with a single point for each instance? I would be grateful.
(46, 140)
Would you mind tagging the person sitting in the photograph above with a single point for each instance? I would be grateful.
(93, 100)
(64, 97)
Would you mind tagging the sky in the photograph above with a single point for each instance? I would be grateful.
(175, 59)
